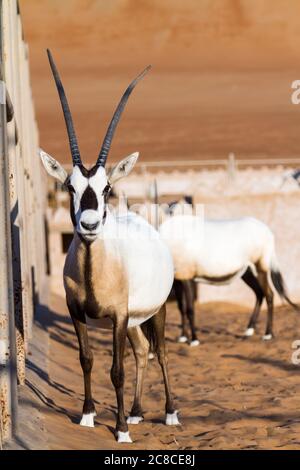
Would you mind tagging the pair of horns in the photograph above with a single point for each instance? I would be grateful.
(102, 157)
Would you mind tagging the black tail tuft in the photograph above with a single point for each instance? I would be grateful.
(279, 285)
(149, 332)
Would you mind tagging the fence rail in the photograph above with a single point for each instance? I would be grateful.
(241, 162)
(214, 162)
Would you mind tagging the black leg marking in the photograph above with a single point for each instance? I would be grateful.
(188, 287)
(85, 355)
(140, 346)
(181, 303)
(252, 281)
(159, 328)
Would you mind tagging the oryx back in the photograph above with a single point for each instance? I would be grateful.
(217, 251)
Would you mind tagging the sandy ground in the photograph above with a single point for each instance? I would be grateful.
(232, 393)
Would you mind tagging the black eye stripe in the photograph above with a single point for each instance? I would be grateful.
(89, 199)
(72, 212)
(106, 189)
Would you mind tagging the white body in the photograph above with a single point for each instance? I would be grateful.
(217, 251)
(149, 265)
(136, 248)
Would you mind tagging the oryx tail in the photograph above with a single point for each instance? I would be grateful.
(149, 331)
(279, 284)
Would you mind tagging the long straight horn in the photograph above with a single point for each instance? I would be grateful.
(67, 113)
(116, 117)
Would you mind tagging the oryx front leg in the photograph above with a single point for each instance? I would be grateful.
(140, 346)
(117, 376)
(86, 361)
(159, 326)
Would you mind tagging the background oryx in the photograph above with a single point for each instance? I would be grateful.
(117, 267)
(217, 252)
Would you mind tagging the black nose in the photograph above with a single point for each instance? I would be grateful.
(90, 227)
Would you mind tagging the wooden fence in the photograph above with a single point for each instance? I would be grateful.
(22, 208)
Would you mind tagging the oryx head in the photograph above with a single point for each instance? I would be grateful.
(89, 188)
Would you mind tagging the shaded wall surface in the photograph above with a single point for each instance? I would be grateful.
(221, 77)
(22, 206)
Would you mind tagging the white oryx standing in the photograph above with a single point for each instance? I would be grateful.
(217, 252)
(116, 268)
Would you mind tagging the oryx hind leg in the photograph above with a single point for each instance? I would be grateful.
(140, 346)
(86, 361)
(158, 322)
(251, 280)
(268, 292)
(181, 303)
(189, 290)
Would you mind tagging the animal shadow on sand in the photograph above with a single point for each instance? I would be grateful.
(282, 365)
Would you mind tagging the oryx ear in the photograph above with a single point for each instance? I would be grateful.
(52, 167)
(123, 168)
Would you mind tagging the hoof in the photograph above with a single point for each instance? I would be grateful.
(134, 419)
(267, 337)
(249, 332)
(123, 437)
(182, 339)
(151, 356)
(195, 342)
(88, 420)
(172, 419)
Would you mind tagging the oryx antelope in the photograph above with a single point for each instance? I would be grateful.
(117, 268)
(217, 252)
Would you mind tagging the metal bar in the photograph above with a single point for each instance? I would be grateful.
(21, 211)
(8, 376)
(220, 162)
(216, 162)
(14, 189)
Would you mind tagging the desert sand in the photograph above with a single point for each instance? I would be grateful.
(232, 393)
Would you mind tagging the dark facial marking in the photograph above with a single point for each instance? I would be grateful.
(70, 188)
(72, 211)
(89, 200)
(106, 192)
(88, 173)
